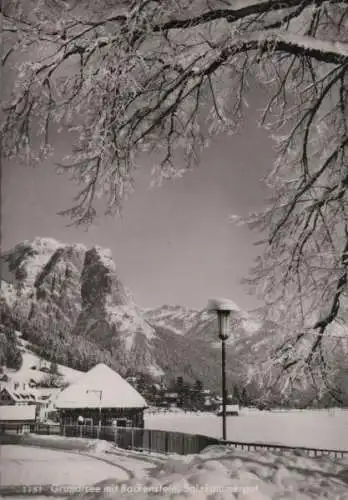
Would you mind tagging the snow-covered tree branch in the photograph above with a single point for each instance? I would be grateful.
(147, 76)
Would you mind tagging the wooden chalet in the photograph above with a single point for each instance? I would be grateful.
(101, 396)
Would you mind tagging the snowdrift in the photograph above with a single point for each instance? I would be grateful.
(219, 473)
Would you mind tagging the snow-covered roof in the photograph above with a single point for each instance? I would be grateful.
(15, 413)
(100, 387)
(18, 395)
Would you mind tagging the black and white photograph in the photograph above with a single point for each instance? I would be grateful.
(174, 249)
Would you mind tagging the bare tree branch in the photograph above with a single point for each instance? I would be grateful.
(149, 76)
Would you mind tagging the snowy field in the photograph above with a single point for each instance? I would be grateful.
(222, 474)
(311, 429)
(20, 465)
(217, 473)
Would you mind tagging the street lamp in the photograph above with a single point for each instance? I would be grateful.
(100, 399)
(223, 309)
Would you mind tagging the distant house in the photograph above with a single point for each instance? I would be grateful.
(169, 399)
(231, 410)
(20, 419)
(43, 400)
(208, 404)
(132, 380)
(16, 397)
(101, 395)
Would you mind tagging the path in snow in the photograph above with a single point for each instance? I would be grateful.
(25, 466)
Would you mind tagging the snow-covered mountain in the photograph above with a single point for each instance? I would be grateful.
(253, 345)
(71, 305)
(250, 345)
(201, 325)
(67, 299)
(176, 319)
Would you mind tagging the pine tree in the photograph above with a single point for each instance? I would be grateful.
(53, 369)
(197, 395)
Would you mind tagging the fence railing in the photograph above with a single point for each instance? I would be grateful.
(143, 439)
(171, 442)
(311, 452)
(47, 429)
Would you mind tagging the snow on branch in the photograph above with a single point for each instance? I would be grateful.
(165, 77)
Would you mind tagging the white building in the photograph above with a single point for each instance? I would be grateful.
(101, 396)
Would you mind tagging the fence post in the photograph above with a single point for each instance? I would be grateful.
(166, 441)
(150, 439)
(142, 441)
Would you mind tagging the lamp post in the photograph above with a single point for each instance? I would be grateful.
(100, 400)
(223, 309)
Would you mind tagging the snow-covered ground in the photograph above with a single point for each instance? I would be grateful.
(312, 429)
(222, 474)
(27, 466)
(218, 473)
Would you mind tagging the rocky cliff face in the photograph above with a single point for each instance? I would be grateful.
(68, 296)
(109, 316)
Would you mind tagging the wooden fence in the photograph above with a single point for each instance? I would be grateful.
(171, 442)
(312, 452)
(47, 429)
(143, 439)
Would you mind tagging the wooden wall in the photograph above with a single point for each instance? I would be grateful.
(135, 416)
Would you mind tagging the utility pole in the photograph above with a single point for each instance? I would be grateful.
(100, 392)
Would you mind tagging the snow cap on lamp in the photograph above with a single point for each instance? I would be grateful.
(221, 304)
(223, 308)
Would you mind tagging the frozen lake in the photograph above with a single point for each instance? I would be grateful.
(312, 429)
(20, 465)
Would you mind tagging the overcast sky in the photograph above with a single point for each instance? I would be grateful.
(174, 244)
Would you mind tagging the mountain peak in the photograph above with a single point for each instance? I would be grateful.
(105, 255)
(72, 297)
(43, 242)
